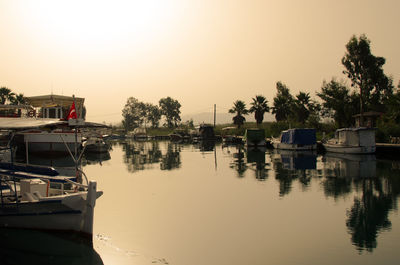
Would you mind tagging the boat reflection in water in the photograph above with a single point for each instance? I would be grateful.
(24, 246)
(349, 165)
(293, 165)
(256, 159)
(375, 199)
(238, 163)
(92, 158)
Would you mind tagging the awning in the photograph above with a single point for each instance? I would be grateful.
(33, 123)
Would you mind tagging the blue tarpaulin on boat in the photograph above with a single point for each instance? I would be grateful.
(299, 136)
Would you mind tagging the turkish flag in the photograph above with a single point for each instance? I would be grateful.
(72, 112)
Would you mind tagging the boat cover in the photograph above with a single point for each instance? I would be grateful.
(254, 134)
(299, 162)
(299, 136)
(35, 123)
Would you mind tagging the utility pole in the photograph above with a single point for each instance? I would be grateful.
(215, 114)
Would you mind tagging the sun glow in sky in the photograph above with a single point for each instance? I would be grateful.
(198, 52)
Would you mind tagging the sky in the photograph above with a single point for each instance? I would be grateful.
(200, 53)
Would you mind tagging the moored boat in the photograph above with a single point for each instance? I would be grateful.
(255, 137)
(296, 139)
(359, 140)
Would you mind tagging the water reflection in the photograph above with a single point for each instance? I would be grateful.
(206, 145)
(238, 163)
(141, 155)
(95, 158)
(21, 246)
(376, 195)
(172, 158)
(293, 165)
(256, 158)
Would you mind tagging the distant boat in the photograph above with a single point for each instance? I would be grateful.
(296, 139)
(359, 140)
(138, 134)
(95, 145)
(228, 137)
(254, 137)
(179, 135)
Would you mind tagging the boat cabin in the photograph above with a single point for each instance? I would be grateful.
(56, 106)
(299, 136)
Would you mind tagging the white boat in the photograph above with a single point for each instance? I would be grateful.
(36, 198)
(33, 204)
(95, 145)
(55, 141)
(296, 139)
(359, 140)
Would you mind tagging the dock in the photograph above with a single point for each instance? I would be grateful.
(388, 150)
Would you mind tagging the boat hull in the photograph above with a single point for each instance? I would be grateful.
(43, 142)
(70, 212)
(349, 149)
(296, 147)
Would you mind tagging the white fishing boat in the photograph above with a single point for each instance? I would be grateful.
(359, 140)
(38, 198)
(31, 203)
(296, 139)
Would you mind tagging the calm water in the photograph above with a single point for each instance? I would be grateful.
(167, 203)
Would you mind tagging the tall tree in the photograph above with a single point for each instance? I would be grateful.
(304, 107)
(259, 106)
(153, 115)
(283, 102)
(132, 114)
(239, 107)
(366, 73)
(338, 103)
(170, 108)
(6, 95)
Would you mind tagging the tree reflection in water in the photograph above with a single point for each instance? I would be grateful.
(238, 162)
(256, 158)
(369, 214)
(141, 155)
(172, 159)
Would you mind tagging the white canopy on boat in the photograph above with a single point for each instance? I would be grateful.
(33, 123)
(27, 123)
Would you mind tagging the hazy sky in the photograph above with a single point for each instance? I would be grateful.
(198, 52)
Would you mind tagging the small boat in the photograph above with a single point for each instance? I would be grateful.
(138, 134)
(95, 145)
(296, 139)
(254, 137)
(35, 197)
(179, 135)
(228, 137)
(359, 140)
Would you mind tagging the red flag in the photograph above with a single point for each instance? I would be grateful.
(72, 112)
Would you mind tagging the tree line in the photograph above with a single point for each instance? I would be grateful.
(138, 114)
(373, 91)
(9, 97)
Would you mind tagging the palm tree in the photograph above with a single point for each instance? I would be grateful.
(18, 99)
(259, 106)
(239, 107)
(5, 94)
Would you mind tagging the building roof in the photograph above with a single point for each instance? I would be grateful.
(53, 101)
